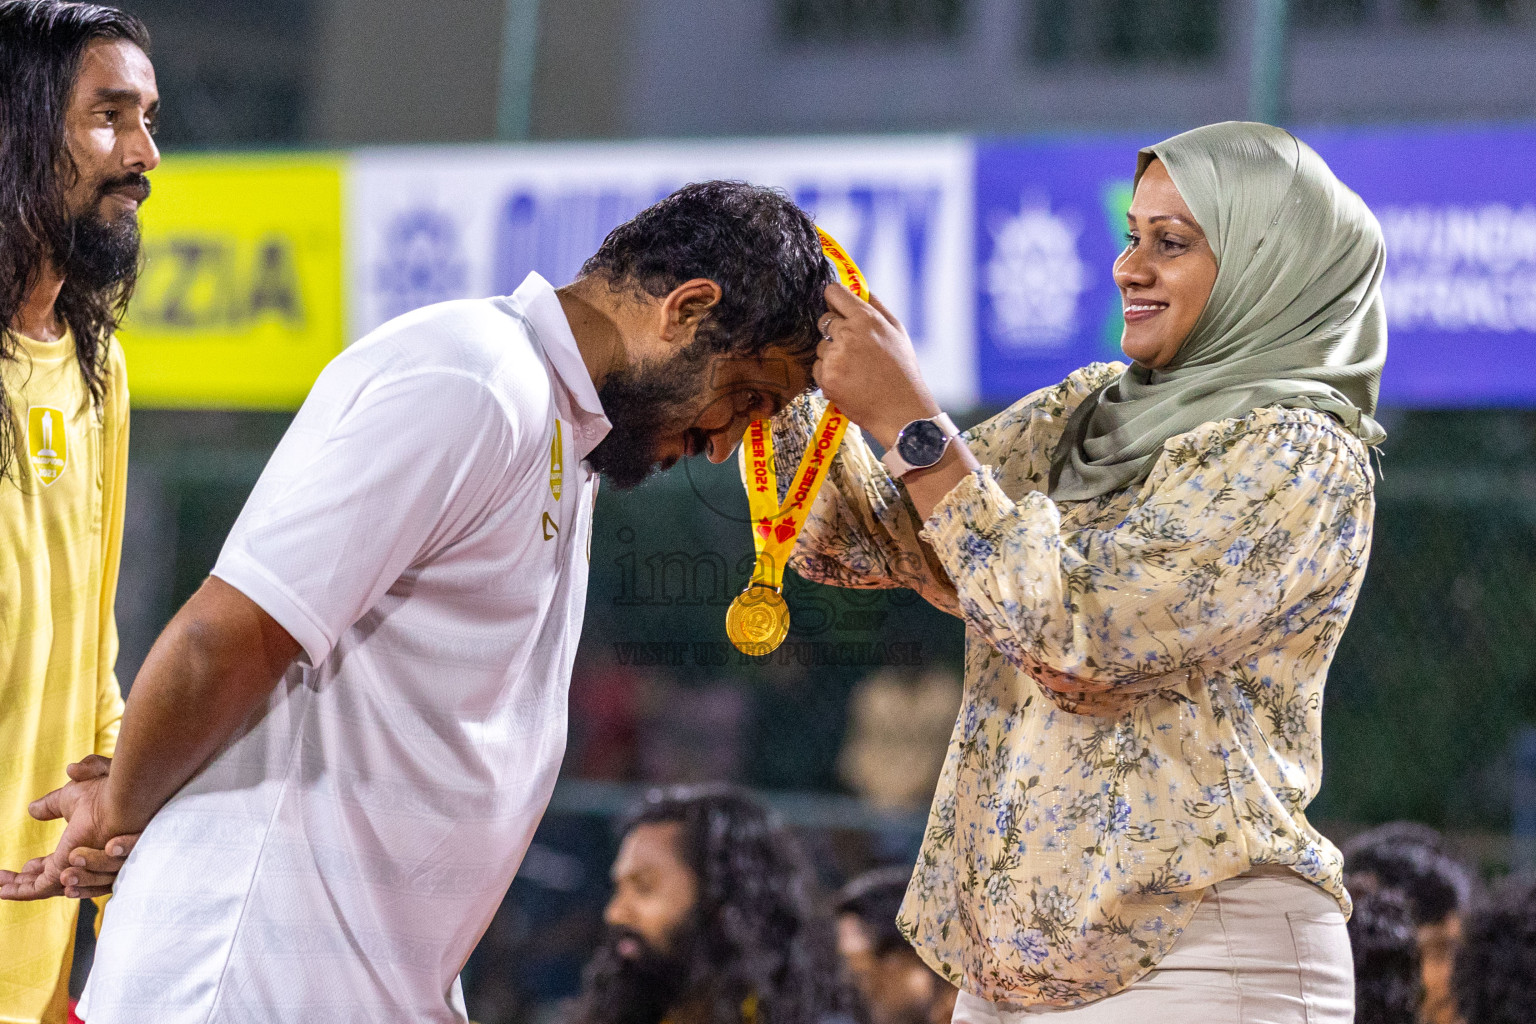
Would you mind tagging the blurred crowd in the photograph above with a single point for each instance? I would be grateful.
(1430, 945)
(718, 915)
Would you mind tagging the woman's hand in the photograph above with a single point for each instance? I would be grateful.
(866, 367)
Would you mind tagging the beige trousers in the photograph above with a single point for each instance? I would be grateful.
(1265, 948)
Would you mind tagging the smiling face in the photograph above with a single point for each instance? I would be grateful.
(107, 131)
(109, 127)
(737, 391)
(1166, 273)
(695, 403)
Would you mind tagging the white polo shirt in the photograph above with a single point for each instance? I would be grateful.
(422, 531)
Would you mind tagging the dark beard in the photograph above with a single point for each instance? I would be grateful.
(642, 990)
(640, 402)
(101, 253)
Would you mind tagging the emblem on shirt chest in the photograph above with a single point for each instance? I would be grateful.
(556, 463)
(46, 443)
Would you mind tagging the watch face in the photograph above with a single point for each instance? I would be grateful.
(921, 443)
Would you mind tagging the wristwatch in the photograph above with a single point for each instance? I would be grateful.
(921, 444)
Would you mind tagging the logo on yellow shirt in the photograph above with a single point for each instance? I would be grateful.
(46, 442)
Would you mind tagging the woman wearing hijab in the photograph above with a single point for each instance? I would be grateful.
(1154, 563)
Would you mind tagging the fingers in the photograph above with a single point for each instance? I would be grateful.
(121, 846)
(84, 858)
(78, 879)
(24, 887)
(92, 766)
(92, 872)
(49, 806)
(843, 302)
(874, 300)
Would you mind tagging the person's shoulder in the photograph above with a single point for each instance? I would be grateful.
(116, 377)
(473, 339)
(1273, 435)
(1060, 400)
(473, 335)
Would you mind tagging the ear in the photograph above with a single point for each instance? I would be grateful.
(685, 306)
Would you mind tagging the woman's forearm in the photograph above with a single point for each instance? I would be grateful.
(210, 669)
(927, 487)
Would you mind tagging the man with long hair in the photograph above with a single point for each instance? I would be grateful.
(713, 921)
(342, 744)
(77, 109)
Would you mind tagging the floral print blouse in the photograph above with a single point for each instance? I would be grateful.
(1143, 679)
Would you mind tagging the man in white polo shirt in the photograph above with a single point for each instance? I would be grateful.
(342, 744)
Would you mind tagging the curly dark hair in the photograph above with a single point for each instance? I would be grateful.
(875, 899)
(1496, 964)
(1388, 986)
(1413, 859)
(42, 43)
(762, 934)
(757, 245)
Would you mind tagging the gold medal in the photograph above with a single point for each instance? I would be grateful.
(758, 619)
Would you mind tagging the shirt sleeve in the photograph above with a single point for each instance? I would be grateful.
(109, 696)
(1250, 539)
(411, 466)
(862, 532)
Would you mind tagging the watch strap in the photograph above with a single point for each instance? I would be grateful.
(899, 467)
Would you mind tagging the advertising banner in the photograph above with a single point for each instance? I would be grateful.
(1457, 207)
(426, 225)
(1050, 219)
(996, 254)
(240, 303)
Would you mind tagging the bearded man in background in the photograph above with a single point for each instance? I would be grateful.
(713, 921)
(77, 108)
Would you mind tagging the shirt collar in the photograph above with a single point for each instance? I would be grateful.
(540, 307)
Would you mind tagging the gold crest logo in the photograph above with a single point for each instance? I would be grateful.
(556, 462)
(46, 442)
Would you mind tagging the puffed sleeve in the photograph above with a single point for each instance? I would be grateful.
(862, 532)
(1249, 535)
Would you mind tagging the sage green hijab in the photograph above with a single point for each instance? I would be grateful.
(1295, 318)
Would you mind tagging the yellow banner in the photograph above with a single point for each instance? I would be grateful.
(240, 302)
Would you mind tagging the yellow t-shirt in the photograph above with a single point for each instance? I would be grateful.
(61, 531)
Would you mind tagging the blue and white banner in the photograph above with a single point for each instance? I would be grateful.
(433, 224)
(995, 253)
(1050, 219)
(1457, 207)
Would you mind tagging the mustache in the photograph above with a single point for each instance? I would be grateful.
(135, 186)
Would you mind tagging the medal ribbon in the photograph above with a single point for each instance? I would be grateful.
(776, 528)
